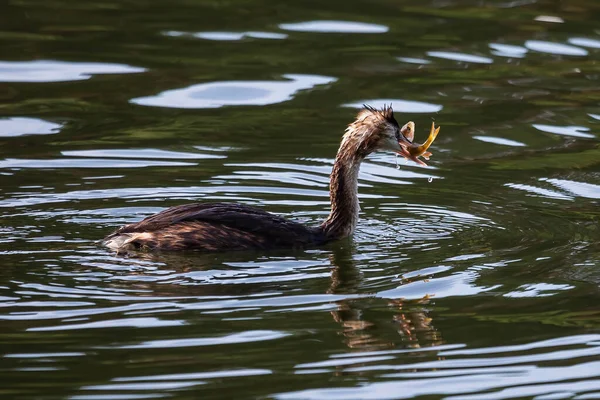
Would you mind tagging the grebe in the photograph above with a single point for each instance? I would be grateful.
(221, 227)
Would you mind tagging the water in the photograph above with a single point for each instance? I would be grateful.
(474, 278)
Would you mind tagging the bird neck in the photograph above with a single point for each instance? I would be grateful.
(343, 192)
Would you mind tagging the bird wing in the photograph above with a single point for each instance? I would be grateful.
(238, 216)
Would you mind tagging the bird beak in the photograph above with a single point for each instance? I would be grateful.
(407, 134)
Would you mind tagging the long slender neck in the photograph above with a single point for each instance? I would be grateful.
(343, 192)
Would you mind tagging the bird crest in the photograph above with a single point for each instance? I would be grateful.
(386, 113)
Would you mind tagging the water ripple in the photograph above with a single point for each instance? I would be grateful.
(457, 284)
(318, 176)
(508, 50)
(141, 386)
(334, 27)
(120, 396)
(16, 126)
(585, 42)
(235, 93)
(581, 189)
(169, 192)
(43, 355)
(561, 341)
(414, 60)
(228, 36)
(575, 131)
(549, 18)
(499, 140)
(87, 163)
(403, 106)
(233, 338)
(481, 283)
(537, 290)
(140, 153)
(58, 71)
(148, 322)
(503, 377)
(555, 48)
(537, 191)
(463, 57)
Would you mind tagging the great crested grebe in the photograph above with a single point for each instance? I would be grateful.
(221, 227)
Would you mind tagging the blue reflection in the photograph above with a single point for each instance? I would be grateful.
(334, 27)
(58, 71)
(455, 56)
(235, 93)
(555, 48)
(407, 106)
(27, 126)
(228, 36)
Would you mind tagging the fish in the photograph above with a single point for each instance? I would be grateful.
(418, 150)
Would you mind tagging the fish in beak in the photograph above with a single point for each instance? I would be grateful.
(413, 151)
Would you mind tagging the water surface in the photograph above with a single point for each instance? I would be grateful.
(474, 278)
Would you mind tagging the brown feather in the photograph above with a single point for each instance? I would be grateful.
(213, 227)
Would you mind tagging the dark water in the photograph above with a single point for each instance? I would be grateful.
(475, 278)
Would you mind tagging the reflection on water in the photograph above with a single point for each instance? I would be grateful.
(219, 94)
(402, 106)
(555, 48)
(58, 71)
(565, 130)
(413, 60)
(582, 189)
(508, 50)
(549, 18)
(85, 163)
(459, 284)
(454, 56)
(140, 153)
(17, 126)
(334, 27)
(227, 36)
(501, 377)
(499, 140)
(585, 42)
(537, 290)
(537, 191)
(475, 277)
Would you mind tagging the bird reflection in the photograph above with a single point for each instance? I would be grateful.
(411, 319)
(365, 319)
